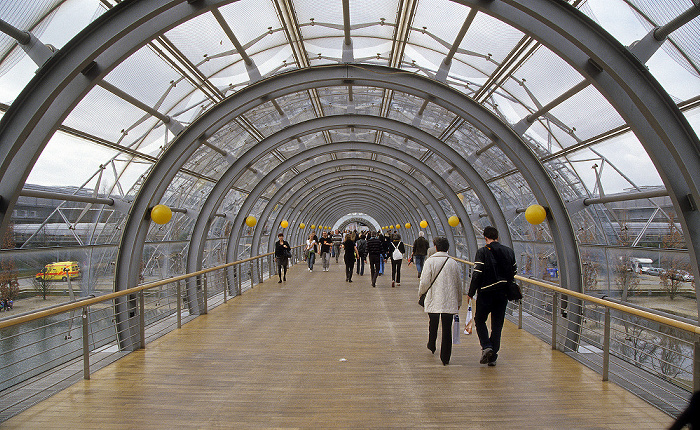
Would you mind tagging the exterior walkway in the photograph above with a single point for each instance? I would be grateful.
(317, 352)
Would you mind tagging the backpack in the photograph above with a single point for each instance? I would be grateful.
(362, 246)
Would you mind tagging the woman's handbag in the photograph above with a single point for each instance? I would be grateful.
(288, 253)
(421, 299)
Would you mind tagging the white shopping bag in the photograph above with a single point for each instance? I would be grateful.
(469, 322)
(455, 331)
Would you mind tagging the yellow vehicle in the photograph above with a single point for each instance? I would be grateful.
(59, 271)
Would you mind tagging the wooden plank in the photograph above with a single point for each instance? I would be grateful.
(318, 352)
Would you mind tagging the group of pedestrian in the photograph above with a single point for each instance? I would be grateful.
(441, 280)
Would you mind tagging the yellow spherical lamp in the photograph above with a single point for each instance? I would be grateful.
(535, 214)
(161, 214)
(313, 226)
(423, 224)
(284, 223)
(407, 225)
(453, 221)
(250, 221)
(302, 225)
(398, 226)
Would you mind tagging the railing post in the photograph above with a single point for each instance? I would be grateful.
(555, 300)
(206, 295)
(142, 318)
(696, 364)
(86, 344)
(606, 345)
(178, 300)
(225, 286)
(240, 286)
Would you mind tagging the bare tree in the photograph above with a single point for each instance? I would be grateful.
(625, 278)
(9, 283)
(675, 270)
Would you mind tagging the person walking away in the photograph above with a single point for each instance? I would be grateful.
(349, 257)
(441, 282)
(362, 254)
(282, 253)
(494, 267)
(385, 244)
(337, 240)
(396, 252)
(375, 248)
(326, 244)
(312, 248)
(420, 251)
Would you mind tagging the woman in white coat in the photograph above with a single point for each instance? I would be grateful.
(444, 298)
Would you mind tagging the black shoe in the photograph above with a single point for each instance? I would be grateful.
(285, 279)
(492, 363)
(486, 355)
(279, 282)
(349, 280)
(445, 363)
(431, 349)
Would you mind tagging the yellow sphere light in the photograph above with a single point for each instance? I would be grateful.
(284, 223)
(453, 221)
(398, 226)
(161, 214)
(408, 225)
(423, 224)
(535, 214)
(313, 226)
(250, 221)
(302, 225)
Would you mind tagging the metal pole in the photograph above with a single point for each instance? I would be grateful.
(86, 344)
(142, 318)
(206, 304)
(555, 300)
(179, 305)
(520, 310)
(696, 364)
(606, 345)
(225, 287)
(22, 37)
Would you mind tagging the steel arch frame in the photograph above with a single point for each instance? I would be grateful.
(235, 236)
(377, 177)
(368, 177)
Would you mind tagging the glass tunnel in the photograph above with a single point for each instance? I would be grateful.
(374, 115)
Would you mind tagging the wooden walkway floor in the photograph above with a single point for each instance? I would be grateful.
(317, 352)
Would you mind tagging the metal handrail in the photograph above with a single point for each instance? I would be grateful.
(43, 313)
(604, 302)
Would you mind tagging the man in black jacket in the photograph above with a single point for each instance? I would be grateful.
(494, 267)
(375, 249)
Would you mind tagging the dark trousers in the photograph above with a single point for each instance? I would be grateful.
(396, 270)
(494, 303)
(374, 262)
(282, 263)
(360, 266)
(446, 343)
(349, 265)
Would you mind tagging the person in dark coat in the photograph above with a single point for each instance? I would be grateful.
(282, 250)
(375, 249)
(349, 257)
(494, 267)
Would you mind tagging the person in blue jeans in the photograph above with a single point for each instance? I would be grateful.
(420, 251)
